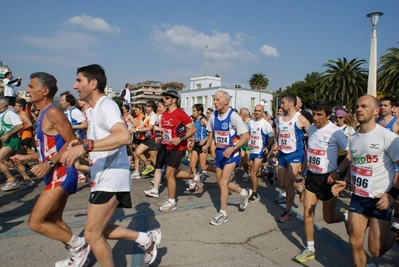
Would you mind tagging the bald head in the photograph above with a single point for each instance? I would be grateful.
(369, 99)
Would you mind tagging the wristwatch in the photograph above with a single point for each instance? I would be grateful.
(338, 171)
(137, 130)
(51, 163)
(235, 148)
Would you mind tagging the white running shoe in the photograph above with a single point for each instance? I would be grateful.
(135, 175)
(77, 256)
(150, 249)
(152, 192)
(10, 185)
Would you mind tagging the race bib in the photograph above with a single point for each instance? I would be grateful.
(167, 136)
(285, 141)
(361, 180)
(316, 160)
(222, 138)
(255, 143)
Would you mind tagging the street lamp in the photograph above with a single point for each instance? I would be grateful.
(372, 82)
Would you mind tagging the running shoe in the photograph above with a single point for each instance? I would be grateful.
(167, 206)
(77, 256)
(10, 185)
(305, 255)
(281, 199)
(395, 223)
(247, 177)
(135, 175)
(254, 197)
(219, 219)
(285, 217)
(148, 169)
(244, 199)
(152, 192)
(82, 178)
(26, 184)
(150, 249)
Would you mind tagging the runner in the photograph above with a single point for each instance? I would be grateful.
(261, 142)
(109, 181)
(373, 151)
(325, 139)
(291, 129)
(53, 131)
(229, 133)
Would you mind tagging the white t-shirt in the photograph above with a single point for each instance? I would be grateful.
(373, 161)
(127, 98)
(323, 145)
(88, 113)
(109, 169)
(236, 123)
(348, 130)
(9, 90)
(259, 129)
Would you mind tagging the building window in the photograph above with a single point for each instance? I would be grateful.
(198, 86)
(210, 85)
(199, 99)
(252, 102)
(186, 103)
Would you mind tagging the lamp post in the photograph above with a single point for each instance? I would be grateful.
(372, 82)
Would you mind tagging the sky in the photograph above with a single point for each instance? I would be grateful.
(176, 40)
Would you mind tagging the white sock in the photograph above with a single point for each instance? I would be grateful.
(75, 241)
(345, 216)
(196, 177)
(143, 239)
(311, 245)
(224, 212)
(203, 172)
(172, 200)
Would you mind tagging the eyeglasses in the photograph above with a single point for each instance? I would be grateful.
(148, 106)
(340, 117)
(166, 97)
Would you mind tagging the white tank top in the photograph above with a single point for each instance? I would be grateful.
(287, 140)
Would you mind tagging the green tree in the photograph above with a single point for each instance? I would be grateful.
(388, 73)
(258, 79)
(305, 89)
(173, 85)
(343, 82)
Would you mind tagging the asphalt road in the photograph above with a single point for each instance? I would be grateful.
(249, 238)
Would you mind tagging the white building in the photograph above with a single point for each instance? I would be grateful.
(109, 91)
(202, 91)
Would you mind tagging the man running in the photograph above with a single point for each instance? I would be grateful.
(229, 133)
(291, 129)
(53, 133)
(373, 151)
(110, 182)
(325, 140)
(261, 142)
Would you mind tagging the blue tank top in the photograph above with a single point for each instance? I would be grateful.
(48, 146)
(224, 134)
(68, 114)
(201, 133)
(389, 126)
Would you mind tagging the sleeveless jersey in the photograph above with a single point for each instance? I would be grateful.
(389, 126)
(289, 135)
(373, 161)
(259, 131)
(323, 145)
(47, 146)
(224, 134)
(128, 123)
(151, 119)
(201, 133)
(139, 120)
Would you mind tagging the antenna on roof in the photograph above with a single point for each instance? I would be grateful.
(206, 61)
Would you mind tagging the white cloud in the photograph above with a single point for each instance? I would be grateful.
(221, 46)
(93, 24)
(269, 51)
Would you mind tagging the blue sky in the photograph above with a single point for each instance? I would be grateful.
(165, 41)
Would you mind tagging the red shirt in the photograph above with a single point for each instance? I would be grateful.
(174, 125)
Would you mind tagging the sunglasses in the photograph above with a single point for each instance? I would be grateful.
(340, 117)
(166, 97)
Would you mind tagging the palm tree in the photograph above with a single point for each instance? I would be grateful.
(258, 80)
(388, 72)
(343, 82)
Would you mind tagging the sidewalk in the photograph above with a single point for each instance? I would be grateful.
(249, 238)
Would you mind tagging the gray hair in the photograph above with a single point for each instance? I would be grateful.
(245, 111)
(46, 80)
(4, 100)
(225, 95)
